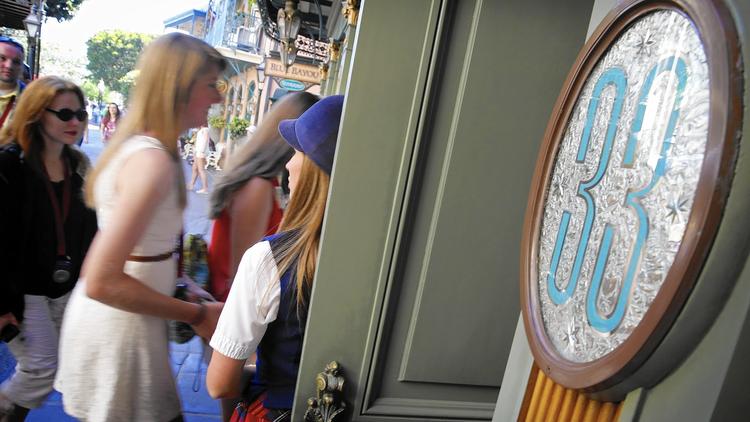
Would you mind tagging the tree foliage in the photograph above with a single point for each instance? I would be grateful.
(112, 54)
(91, 91)
(217, 121)
(238, 127)
(62, 10)
(59, 59)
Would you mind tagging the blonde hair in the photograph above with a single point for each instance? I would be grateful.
(303, 221)
(25, 128)
(264, 154)
(168, 68)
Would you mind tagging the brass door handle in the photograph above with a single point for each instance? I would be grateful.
(329, 403)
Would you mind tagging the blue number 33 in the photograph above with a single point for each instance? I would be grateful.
(615, 77)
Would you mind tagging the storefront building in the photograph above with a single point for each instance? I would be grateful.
(255, 78)
(192, 22)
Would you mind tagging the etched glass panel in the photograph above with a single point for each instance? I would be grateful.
(623, 185)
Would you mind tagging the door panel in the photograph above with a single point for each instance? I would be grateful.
(435, 288)
(416, 294)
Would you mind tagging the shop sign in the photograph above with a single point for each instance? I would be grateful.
(628, 196)
(297, 71)
(291, 85)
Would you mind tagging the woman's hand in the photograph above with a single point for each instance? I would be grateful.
(205, 328)
(195, 293)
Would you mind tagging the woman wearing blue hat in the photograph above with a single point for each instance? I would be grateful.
(267, 305)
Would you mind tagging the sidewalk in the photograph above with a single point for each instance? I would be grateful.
(188, 365)
(190, 372)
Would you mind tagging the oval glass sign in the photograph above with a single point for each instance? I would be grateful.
(291, 85)
(622, 201)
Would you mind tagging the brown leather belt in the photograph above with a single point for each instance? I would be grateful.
(154, 258)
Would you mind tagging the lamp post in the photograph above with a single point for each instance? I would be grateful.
(288, 20)
(33, 24)
(261, 70)
(100, 86)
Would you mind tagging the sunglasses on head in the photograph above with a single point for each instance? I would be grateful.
(66, 114)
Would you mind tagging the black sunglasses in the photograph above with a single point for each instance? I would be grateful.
(66, 114)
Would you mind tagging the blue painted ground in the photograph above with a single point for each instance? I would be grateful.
(188, 365)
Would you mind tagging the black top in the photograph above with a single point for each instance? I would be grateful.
(29, 228)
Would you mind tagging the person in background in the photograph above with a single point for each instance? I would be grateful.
(95, 116)
(85, 138)
(48, 229)
(26, 74)
(11, 66)
(114, 354)
(244, 202)
(267, 305)
(199, 160)
(109, 122)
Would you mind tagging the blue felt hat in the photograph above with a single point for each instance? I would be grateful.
(316, 130)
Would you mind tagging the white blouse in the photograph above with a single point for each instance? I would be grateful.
(252, 304)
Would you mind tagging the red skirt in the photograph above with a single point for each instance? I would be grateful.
(254, 412)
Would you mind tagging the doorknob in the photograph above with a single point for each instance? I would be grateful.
(328, 404)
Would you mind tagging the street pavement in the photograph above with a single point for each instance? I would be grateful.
(187, 361)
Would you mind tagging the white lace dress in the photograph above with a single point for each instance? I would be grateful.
(114, 365)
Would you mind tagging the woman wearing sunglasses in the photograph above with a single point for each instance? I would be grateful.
(46, 230)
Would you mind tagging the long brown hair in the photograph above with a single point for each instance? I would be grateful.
(25, 128)
(168, 68)
(302, 224)
(108, 116)
(264, 154)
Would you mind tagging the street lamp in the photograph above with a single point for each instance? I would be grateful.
(289, 21)
(261, 70)
(100, 86)
(33, 24)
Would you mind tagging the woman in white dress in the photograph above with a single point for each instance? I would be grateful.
(114, 358)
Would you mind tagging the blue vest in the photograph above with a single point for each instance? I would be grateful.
(280, 350)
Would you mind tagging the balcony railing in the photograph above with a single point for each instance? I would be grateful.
(228, 27)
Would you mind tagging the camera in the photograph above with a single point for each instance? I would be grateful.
(181, 332)
(62, 269)
(8, 333)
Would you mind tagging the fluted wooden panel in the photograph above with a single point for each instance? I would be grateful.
(547, 401)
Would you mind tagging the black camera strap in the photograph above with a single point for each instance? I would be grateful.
(60, 217)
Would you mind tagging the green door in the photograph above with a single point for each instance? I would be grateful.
(416, 294)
